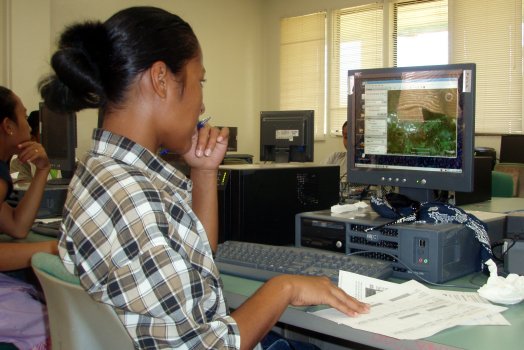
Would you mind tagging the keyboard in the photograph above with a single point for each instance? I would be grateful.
(261, 262)
(50, 228)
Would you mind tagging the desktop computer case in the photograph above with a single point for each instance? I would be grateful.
(258, 203)
(435, 252)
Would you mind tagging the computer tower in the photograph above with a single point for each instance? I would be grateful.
(434, 252)
(258, 202)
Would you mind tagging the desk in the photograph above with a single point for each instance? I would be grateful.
(497, 205)
(463, 337)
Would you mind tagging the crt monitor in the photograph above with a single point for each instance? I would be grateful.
(58, 137)
(287, 136)
(412, 127)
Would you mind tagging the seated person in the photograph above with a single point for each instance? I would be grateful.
(24, 318)
(340, 158)
(22, 173)
(150, 232)
(15, 138)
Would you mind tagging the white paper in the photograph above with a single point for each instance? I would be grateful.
(360, 286)
(473, 297)
(412, 311)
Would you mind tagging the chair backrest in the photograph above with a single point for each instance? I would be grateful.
(502, 184)
(76, 321)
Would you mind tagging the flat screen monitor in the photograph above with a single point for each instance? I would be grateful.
(58, 137)
(511, 147)
(287, 136)
(412, 127)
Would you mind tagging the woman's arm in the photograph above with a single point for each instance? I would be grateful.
(206, 154)
(205, 202)
(16, 222)
(262, 310)
(15, 256)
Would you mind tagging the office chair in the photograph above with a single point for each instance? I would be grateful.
(77, 322)
(501, 184)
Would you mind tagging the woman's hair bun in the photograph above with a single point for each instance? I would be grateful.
(79, 64)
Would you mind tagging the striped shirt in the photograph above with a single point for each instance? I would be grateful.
(131, 236)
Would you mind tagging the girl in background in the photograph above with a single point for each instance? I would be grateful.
(23, 318)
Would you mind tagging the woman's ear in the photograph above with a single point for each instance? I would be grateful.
(159, 75)
(7, 126)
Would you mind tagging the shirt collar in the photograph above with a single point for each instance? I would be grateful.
(129, 152)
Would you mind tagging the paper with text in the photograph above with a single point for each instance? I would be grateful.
(412, 311)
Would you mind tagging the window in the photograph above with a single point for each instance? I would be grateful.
(419, 36)
(302, 66)
(420, 33)
(489, 33)
(357, 43)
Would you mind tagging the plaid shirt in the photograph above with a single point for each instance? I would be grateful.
(131, 236)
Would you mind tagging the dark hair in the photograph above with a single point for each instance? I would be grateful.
(34, 122)
(7, 104)
(96, 62)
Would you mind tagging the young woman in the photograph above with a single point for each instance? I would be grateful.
(138, 232)
(15, 138)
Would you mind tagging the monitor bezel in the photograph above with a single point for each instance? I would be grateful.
(419, 184)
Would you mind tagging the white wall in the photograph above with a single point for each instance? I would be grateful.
(3, 35)
(229, 31)
(26, 45)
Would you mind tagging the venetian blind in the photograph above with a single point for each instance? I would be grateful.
(420, 32)
(302, 66)
(489, 33)
(357, 43)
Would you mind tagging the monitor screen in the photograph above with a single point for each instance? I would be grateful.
(58, 137)
(287, 136)
(412, 127)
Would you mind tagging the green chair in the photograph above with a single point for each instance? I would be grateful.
(77, 322)
(501, 184)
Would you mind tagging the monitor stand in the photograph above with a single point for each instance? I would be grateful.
(418, 194)
(281, 155)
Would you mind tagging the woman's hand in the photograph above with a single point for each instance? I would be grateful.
(35, 153)
(310, 290)
(208, 147)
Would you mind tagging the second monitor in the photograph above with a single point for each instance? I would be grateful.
(287, 136)
(58, 136)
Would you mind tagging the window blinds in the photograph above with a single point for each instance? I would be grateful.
(489, 33)
(302, 66)
(357, 43)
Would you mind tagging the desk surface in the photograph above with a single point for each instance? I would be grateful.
(463, 337)
(498, 205)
